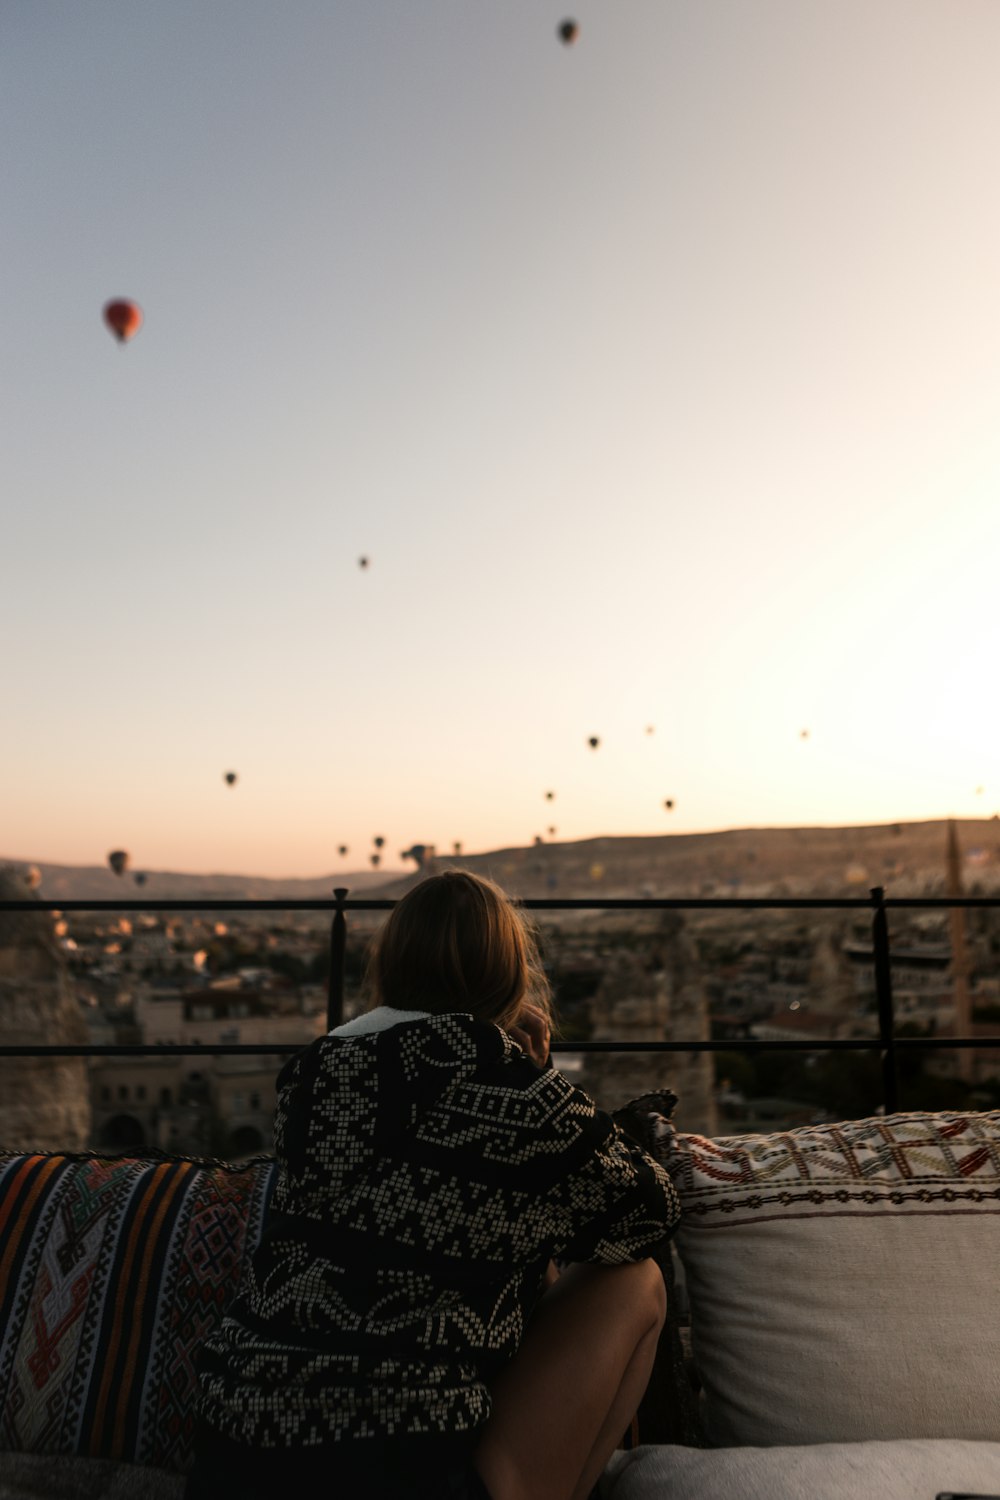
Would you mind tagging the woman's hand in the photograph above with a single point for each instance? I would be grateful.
(533, 1033)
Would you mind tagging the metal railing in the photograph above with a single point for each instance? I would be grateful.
(877, 904)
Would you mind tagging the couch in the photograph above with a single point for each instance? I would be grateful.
(843, 1283)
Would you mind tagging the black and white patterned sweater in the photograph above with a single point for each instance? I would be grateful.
(429, 1172)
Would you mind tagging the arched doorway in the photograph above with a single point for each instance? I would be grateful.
(123, 1132)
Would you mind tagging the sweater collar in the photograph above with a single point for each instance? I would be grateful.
(380, 1019)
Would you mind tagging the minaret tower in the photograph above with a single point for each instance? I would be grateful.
(959, 954)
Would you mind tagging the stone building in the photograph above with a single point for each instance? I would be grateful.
(655, 993)
(44, 1102)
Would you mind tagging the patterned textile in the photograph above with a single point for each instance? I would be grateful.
(112, 1272)
(429, 1173)
(931, 1163)
(843, 1279)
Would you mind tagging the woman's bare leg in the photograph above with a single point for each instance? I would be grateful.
(567, 1396)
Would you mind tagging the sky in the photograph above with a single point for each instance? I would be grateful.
(658, 377)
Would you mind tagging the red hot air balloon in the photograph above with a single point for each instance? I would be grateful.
(123, 317)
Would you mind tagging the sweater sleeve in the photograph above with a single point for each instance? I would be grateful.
(617, 1204)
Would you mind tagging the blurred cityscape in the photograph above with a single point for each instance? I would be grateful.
(199, 979)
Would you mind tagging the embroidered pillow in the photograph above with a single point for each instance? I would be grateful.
(843, 1279)
(112, 1272)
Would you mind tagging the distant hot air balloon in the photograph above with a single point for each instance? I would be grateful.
(342, 849)
(362, 562)
(597, 872)
(118, 860)
(123, 317)
(537, 840)
(378, 841)
(375, 858)
(549, 796)
(457, 846)
(139, 878)
(552, 833)
(594, 741)
(669, 804)
(230, 778)
(650, 728)
(568, 31)
(803, 734)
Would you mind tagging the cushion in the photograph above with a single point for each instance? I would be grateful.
(843, 1279)
(916, 1470)
(34, 1476)
(112, 1273)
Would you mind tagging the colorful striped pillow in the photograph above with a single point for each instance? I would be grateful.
(112, 1273)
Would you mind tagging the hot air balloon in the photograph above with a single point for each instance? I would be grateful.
(537, 840)
(669, 804)
(375, 858)
(549, 796)
(568, 31)
(803, 734)
(597, 872)
(139, 878)
(342, 849)
(378, 841)
(552, 833)
(123, 317)
(362, 562)
(650, 728)
(118, 860)
(230, 778)
(457, 846)
(593, 742)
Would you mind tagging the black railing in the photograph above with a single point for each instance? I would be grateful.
(877, 904)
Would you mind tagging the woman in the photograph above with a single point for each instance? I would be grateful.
(389, 1338)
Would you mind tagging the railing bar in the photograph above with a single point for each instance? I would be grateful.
(531, 903)
(359, 903)
(338, 954)
(883, 995)
(269, 1049)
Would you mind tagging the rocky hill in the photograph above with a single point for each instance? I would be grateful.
(906, 858)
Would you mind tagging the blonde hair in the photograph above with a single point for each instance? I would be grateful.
(456, 942)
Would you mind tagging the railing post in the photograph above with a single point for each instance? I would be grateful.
(338, 947)
(883, 994)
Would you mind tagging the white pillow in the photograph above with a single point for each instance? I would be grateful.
(831, 1471)
(844, 1280)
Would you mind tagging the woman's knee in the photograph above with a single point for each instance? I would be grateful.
(638, 1291)
(654, 1291)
